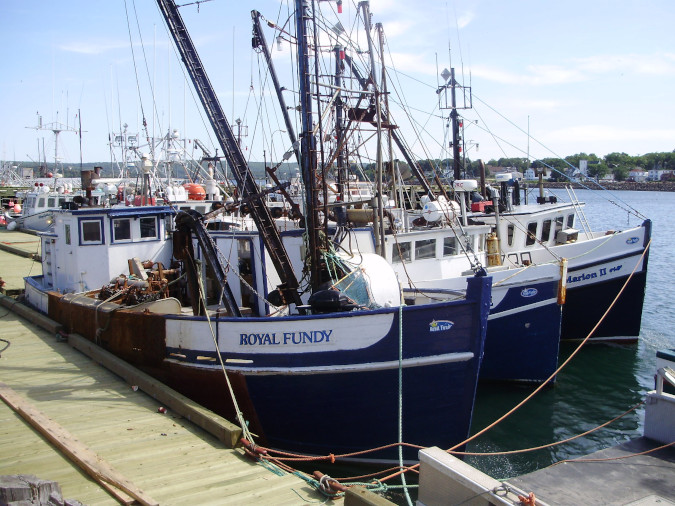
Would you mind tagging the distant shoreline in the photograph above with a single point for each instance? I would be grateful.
(655, 186)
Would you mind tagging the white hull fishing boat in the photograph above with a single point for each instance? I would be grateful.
(599, 263)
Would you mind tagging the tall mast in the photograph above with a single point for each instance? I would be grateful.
(260, 42)
(455, 129)
(379, 216)
(339, 122)
(307, 140)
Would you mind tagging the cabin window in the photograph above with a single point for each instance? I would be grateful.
(531, 233)
(51, 202)
(148, 228)
(570, 221)
(449, 246)
(91, 231)
(122, 230)
(559, 223)
(510, 230)
(67, 234)
(546, 231)
(41, 202)
(400, 252)
(425, 249)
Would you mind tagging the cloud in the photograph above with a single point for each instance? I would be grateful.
(581, 69)
(464, 19)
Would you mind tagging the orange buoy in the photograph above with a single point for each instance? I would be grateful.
(195, 191)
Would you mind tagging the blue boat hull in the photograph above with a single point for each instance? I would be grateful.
(347, 413)
(347, 401)
(522, 344)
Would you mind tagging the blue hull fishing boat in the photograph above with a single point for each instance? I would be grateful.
(321, 365)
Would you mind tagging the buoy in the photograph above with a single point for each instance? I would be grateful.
(17, 208)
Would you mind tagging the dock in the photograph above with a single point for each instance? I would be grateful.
(157, 454)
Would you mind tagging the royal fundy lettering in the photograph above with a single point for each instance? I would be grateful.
(278, 338)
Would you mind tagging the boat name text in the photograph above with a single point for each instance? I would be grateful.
(274, 338)
(592, 275)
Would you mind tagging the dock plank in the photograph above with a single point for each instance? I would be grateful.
(185, 466)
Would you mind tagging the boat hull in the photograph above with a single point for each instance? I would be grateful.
(593, 287)
(523, 335)
(316, 384)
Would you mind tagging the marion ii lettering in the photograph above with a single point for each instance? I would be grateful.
(312, 337)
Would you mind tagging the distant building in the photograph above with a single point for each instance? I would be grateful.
(638, 175)
(530, 174)
(657, 174)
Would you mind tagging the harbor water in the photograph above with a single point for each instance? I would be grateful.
(602, 381)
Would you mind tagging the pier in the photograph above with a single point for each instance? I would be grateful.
(61, 408)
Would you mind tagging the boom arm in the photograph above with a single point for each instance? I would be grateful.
(231, 150)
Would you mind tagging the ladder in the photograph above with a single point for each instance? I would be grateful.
(579, 209)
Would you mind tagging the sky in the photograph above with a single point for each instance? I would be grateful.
(580, 76)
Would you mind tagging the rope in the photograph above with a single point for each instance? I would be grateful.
(244, 427)
(400, 400)
(609, 459)
(545, 382)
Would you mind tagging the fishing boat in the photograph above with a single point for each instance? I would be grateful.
(337, 364)
(431, 251)
(599, 263)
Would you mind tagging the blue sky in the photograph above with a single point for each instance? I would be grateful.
(588, 76)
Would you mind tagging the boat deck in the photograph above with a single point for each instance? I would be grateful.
(163, 455)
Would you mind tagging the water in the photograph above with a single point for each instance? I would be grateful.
(603, 380)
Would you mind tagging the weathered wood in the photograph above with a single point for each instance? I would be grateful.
(221, 428)
(86, 459)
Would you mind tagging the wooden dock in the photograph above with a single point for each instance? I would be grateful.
(84, 407)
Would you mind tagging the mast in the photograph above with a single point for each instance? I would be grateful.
(378, 222)
(307, 140)
(260, 42)
(455, 128)
(339, 122)
(235, 158)
(414, 166)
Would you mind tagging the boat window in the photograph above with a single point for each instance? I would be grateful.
(90, 231)
(559, 223)
(41, 202)
(148, 228)
(122, 230)
(510, 229)
(51, 202)
(570, 221)
(546, 231)
(425, 249)
(531, 233)
(449, 246)
(67, 234)
(400, 252)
